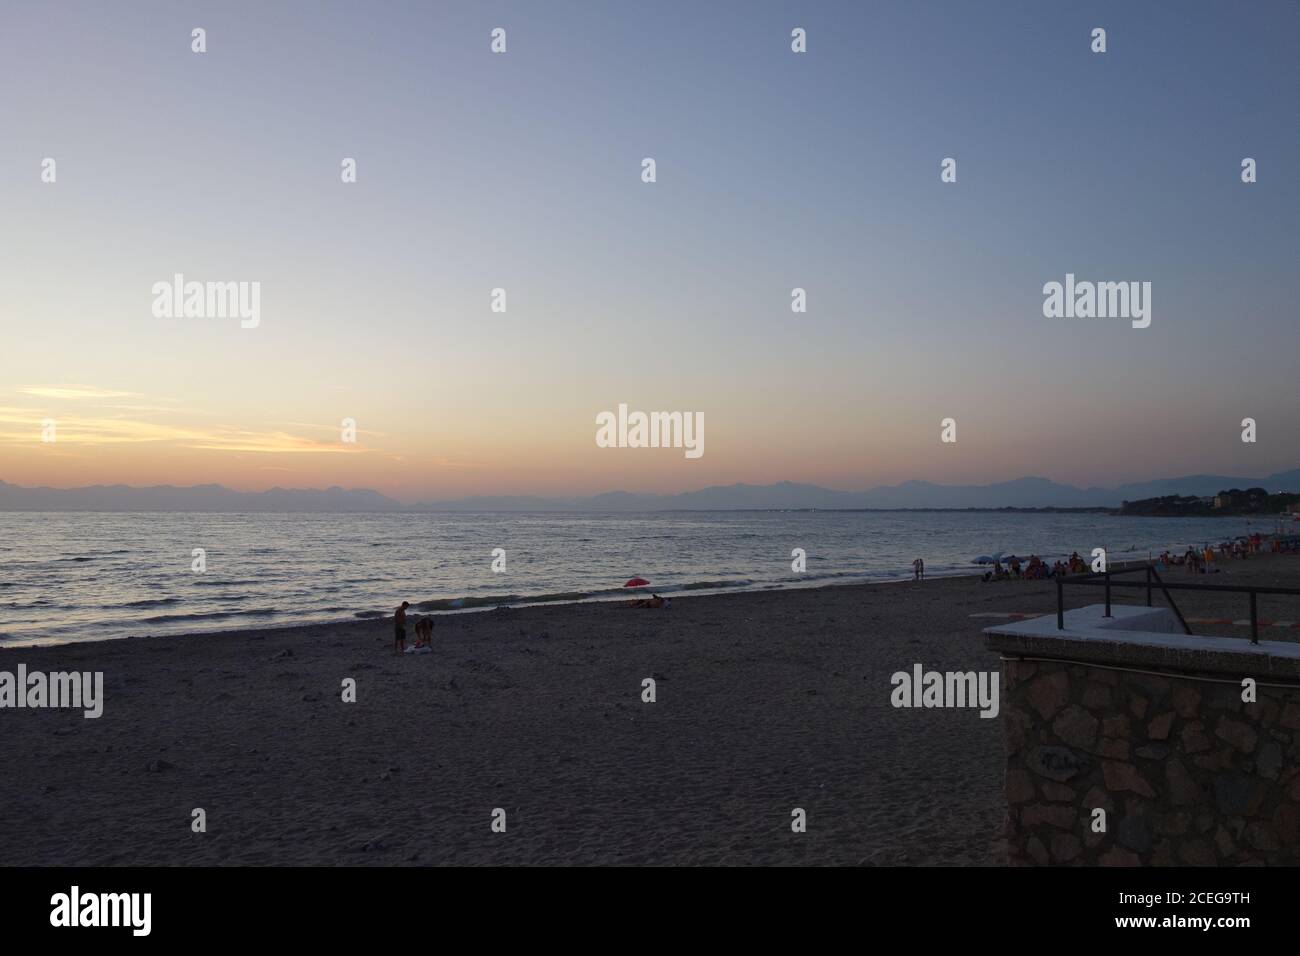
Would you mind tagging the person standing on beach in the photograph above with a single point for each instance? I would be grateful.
(399, 628)
(918, 570)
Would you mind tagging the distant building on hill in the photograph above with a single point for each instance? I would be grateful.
(1231, 502)
(1252, 499)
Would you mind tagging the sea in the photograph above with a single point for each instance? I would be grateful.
(67, 577)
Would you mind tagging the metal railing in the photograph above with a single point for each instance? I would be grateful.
(1153, 580)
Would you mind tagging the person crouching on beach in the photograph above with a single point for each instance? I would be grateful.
(424, 632)
(399, 628)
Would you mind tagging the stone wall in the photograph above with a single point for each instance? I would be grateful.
(1186, 771)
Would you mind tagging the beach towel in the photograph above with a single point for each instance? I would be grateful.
(419, 650)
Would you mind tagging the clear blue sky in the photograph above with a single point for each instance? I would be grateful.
(775, 170)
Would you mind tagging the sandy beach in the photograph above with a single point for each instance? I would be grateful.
(766, 702)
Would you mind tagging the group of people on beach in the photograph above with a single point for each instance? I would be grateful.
(1036, 569)
(1195, 560)
(1198, 560)
(423, 632)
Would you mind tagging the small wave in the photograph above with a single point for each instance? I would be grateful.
(209, 615)
(701, 585)
(561, 597)
(158, 602)
(168, 618)
(456, 604)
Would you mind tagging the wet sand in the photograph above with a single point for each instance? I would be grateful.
(766, 702)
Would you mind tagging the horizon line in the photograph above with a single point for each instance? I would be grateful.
(426, 501)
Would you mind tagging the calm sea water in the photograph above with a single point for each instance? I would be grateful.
(73, 577)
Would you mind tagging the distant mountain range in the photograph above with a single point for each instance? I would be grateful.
(1020, 493)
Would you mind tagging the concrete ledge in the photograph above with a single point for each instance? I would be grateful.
(1144, 637)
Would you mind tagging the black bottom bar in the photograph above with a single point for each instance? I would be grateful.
(1021, 908)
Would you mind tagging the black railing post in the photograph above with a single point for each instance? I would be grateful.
(1103, 579)
(1170, 598)
(1254, 620)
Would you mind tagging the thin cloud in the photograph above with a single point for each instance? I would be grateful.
(270, 443)
(72, 392)
(142, 408)
(329, 428)
(22, 426)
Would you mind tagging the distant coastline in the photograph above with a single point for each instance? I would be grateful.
(1020, 495)
(1228, 503)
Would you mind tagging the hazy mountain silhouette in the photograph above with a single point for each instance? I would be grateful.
(1020, 493)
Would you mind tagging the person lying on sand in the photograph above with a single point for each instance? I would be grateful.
(399, 628)
(654, 601)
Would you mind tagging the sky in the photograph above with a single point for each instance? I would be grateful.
(523, 171)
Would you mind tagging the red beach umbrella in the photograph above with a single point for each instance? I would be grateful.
(636, 583)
